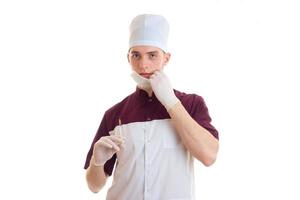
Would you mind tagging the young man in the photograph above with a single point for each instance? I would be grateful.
(154, 134)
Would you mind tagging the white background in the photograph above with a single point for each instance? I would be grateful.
(63, 63)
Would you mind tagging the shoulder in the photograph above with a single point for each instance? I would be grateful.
(189, 100)
(112, 114)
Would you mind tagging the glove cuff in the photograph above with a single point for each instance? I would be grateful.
(172, 101)
(94, 163)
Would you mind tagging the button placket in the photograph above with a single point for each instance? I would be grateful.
(147, 161)
(146, 167)
(150, 100)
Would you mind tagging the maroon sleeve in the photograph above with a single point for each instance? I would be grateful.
(200, 114)
(102, 131)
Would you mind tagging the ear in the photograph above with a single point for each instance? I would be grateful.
(167, 57)
(128, 57)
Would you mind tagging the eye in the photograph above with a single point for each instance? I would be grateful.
(152, 55)
(135, 56)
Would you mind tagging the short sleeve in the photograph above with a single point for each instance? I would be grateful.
(102, 131)
(200, 114)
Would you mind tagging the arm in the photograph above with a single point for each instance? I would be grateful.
(195, 138)
(95, 177)
(201, 143)
(103, 150)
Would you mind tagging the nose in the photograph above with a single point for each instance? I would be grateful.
(144, 64)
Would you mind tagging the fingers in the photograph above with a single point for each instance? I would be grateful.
(112, 142)
(117, 138)
(156, 73)
(104, 143)
(108, 142)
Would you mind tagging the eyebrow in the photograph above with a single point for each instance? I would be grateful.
(132, 52)
(150, 52)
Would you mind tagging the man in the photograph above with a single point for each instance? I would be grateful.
(154, 134)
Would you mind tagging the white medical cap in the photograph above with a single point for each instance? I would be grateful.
(149, 30)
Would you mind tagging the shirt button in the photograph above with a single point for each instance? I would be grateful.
(150, 100)
(148, 118)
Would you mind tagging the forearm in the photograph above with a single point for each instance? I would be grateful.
(202, 144)
(96, 177)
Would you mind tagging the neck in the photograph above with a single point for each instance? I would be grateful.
(148, 90)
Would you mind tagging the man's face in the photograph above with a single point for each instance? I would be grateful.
(145, 60)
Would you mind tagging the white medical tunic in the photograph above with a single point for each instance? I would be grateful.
(154, 164)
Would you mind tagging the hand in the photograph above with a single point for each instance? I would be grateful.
(105, 148)
(143, 83)
(163, 90)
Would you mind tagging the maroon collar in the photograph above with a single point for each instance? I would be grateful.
(143, 95)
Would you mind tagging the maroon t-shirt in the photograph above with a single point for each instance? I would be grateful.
(139, 107)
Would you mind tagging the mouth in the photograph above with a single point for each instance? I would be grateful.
(146, 75)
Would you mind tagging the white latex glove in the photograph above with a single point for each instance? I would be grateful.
(143, 83)
(105, 148)
(163, 90)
